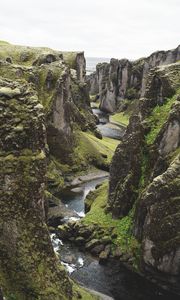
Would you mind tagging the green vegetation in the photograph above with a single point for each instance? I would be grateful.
(85, 295)
(157, 118)
(70, 59)
(173, 155)
(144, 169)
(4, 43)
(122, 228)
(91, 150)
(120, 118)
(27, 55)
(131, 94)
(54, 174)
(95, 104)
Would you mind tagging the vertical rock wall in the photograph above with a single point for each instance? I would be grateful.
(29, 269)
(124, 79)
(145, 176)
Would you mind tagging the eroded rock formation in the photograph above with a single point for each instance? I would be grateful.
(29, 268)
(59, 81)
(124, 79)
(43, 101)
(145, 176)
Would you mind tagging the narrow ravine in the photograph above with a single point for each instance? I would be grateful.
(107, 128)
(111, 279)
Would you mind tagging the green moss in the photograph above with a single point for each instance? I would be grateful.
(120, 118)
(54, 173)
(70, 59)
(4, 43)
(46, 96)
(121, 227)
(26, 56)
(144, 169)
(157, 118)
(131, 93)
(173, 155)
(85, 295)
(95, 104)
(91, 150)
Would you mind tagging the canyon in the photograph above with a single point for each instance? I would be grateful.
(112, 136)
(125, 79)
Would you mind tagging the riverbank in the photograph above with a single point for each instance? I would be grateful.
(98, 244)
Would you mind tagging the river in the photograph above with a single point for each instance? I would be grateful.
(106, 127)
(112, 279)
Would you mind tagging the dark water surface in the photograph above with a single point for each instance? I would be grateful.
(75, 201)
(107, 128)
(112, 279)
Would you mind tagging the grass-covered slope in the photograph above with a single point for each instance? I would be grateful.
(120, 118)
(121, 229)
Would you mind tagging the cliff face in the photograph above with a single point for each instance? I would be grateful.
(28, 266)
(145, 176)
(43, 101)
(59, 81)
(124, 79)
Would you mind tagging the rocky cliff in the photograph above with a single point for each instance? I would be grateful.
(124, 79)
(145, 176)
(43, 100)
(29, 268)
(59, 80)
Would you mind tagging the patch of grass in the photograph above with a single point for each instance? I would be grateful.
(93, 150)
(70, 58)
(173, 155)
(157, 118)
(95, 104)
(4, 43)
(120, 118)
(121, 227)
(85, 295)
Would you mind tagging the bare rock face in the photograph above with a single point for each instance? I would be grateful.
(145, 176)
(28, 266)
(124, 79)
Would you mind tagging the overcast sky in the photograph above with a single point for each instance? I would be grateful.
(102, 28)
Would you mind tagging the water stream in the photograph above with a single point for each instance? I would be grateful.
(106, 127)
(74, 199)
(112, 279)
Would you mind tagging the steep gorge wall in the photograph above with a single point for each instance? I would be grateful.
(59, 79)
(145, 176)
(29, 268)
(124, 79)
(43, 101)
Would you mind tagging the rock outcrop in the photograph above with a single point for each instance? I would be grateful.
(43, 101)
(124, 79)
(59, 81)
(145, 176)
(29, 268)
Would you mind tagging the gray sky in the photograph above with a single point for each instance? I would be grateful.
(102, 28)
